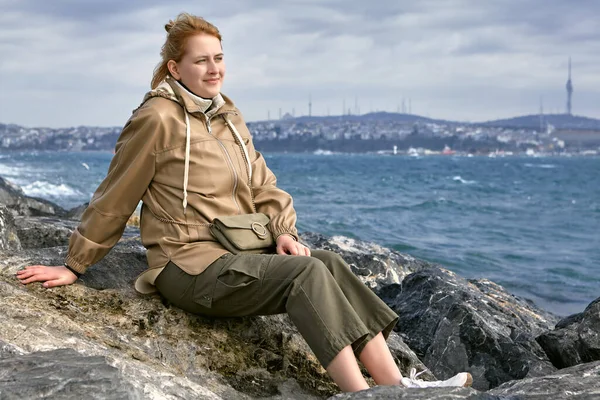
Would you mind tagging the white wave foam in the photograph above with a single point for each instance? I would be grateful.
(46, 189)
(458, 178)
(321, 152)
(5, 170)
(548, 166)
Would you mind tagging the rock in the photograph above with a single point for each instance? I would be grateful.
(258, 356)
(9, 238)
(376, 266)
(157, 347)
(581, 382)
(397, 392)
(457, 325)
(62, 373)
(42, 232)
(406, 358)
(145, 338)
(13, 198)
(7, 350)
(75, 213)
(164, 352)
(576, 339)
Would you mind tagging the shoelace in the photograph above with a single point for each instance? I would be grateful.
(413, 373)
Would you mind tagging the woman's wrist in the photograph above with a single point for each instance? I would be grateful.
(77, 274)
(287, 234)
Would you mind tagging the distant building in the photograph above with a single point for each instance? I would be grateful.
(569, 90)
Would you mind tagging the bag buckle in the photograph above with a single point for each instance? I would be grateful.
(259, 229)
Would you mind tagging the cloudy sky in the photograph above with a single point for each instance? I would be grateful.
(73, 62)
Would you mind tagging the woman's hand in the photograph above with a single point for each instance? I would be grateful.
(287, 245)
(51, 275)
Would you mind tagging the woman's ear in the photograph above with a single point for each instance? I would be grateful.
(173, 69)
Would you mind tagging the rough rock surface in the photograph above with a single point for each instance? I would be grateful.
(101, 315)
(376, 266)
(9, 238)
(193, 356)
(42, 232)
(396, 392)
(13, 197)
(581, 382)
(61, 374)
(457, 325)
(576, 339)
(162, 352)
(75, 213)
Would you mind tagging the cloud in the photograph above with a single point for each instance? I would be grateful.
(71, 63)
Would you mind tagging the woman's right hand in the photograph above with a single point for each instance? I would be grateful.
(51, 275)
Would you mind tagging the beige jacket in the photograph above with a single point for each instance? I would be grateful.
(189, 160)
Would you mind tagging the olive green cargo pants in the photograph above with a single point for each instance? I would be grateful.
(328, 304)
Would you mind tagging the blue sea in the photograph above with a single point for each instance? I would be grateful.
(531, 224)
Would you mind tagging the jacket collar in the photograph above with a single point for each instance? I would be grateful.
(171, 89)
(194, 103)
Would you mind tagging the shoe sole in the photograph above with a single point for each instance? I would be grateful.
(469, 381)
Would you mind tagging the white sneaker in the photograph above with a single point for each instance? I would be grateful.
(461, 379)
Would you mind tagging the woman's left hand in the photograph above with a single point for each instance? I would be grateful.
(287, 245)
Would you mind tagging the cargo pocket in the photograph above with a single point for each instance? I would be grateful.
(239, 281)
(204, 285)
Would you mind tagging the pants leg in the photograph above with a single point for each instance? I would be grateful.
(328, 304)
(373, 311)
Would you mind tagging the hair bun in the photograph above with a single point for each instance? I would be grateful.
(169, 25)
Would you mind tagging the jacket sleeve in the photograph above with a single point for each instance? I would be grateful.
(129, 174)
(269, 199)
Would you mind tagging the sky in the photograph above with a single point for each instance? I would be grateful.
(67, 63)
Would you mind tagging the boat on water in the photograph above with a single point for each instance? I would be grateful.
(448, 151)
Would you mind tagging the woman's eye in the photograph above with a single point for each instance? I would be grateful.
(200, 61)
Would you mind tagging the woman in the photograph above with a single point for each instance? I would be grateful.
(188, 155)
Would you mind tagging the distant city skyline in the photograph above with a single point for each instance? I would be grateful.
(90, 63)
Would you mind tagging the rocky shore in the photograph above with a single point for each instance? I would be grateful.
(98, 339)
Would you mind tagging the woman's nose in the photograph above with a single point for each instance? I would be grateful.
(212, 67)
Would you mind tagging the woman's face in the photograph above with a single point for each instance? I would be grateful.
(202, 67)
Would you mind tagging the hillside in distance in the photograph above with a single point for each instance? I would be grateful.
(532, 121)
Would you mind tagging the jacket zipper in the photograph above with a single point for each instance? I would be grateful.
(229, 161)
(249, 178)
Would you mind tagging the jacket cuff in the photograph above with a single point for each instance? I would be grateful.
(77, 274)
(75, 266)
(293, 233)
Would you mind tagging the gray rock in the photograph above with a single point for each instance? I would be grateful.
(102, 315)
(406, 358)
(166, 353)
(457, 325)
(576, 339)
(75, 213)
(13, 197)
(62, 374)
(397, 392)
(9, 238)
(581, 382)
(40, 232)
(7, 350)
(375, 265)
